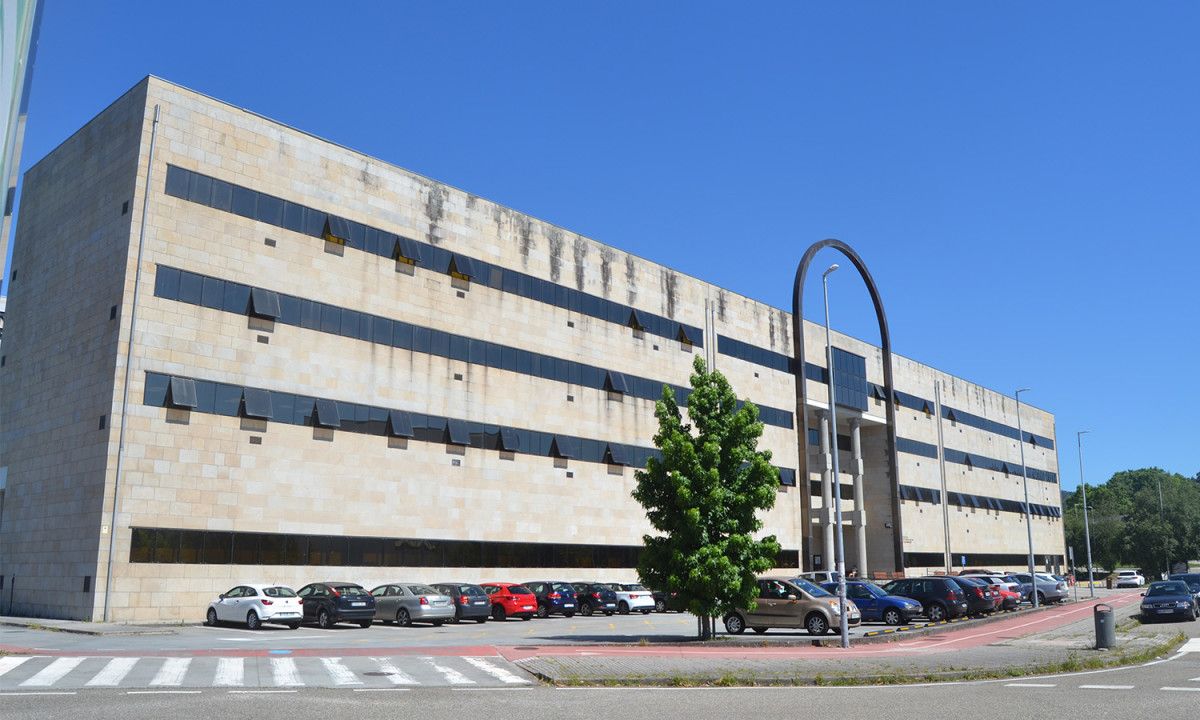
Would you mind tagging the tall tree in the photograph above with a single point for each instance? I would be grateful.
(703, 496)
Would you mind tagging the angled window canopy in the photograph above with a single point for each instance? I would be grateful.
(337, 230)
(181, 393)
(264, 303)
(256, 403)
(327, 414)
(400, 424)
(615, 382)
(457, 432)
(510, 440)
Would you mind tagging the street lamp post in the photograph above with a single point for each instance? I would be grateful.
(1162, 521)
(1028, 516)
(839, 558)
(1087, 530)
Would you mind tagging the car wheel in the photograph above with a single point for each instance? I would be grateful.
(608, 613)
(891, 616)
(212, 617)
(623, 608)
(498, 613)
(480, 620)
(816, 624)
(936, 612)
(569, 614)
(586, 609)
(645, 612)
(364, 624)
(543, 612)
(526, 617)
(734, 624)
(403, 619)
(324, 621)
(660, 606)
(252, 621)
(438, 623)
(293, 626)
(1041, 598)
(760, 631)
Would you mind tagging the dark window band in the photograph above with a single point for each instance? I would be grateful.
(215, 547)
(220, 195)
(929, 450)
(934, 497)
(174, 284)
(979, 560)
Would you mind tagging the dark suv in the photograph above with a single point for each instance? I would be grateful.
(554, 597)
(940, 597)
(981, 599)
(470, 601)
(595, 597)
(330, 603)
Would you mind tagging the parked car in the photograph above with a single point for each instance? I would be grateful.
(1169, 599)
(875, 604)
(1192, 580)
(510, 599)
(330, 603)
(820, 577)
(257, 604)
(794, 603)
(940, 597)
(665, 600)
(1008, 589)
(470, 601)
(407, 603)
(979, 571)
(632, 597)
(1048, 589)
(595, 597)
(1130, 578)
(981, 599)
(553, 597)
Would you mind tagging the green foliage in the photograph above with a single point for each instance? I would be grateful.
(703, 497)
(1126, 525)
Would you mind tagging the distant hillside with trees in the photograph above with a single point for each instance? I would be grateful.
(1128, 530)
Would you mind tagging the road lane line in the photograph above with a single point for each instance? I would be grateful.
(497, 672)
(392, 672)
(53, 672)
(162, 692)
(1181, 689)
(341, 674)
(380, 689)
(1105, 687)
(1031, 685)
(261, 692)
(451, 675)
(113, 673)
(35, 692)
(285, 672)
(11, 662)
(171, 672)
(231, 672)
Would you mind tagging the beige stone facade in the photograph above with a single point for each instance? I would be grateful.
(76, 257)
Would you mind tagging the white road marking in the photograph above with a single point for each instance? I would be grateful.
(394, 673)
(497, 672)
(162, 692)
(10, 662)
(34, 692)
(113, 673)
(1030, 685)
(171, 672)
(53, 672)
(380, 689)
(1181, 689)
(452, 676)
(285, 672)
(341, 674)
(230, 672)
(1191, 646)
(260, 692)
(1105, 687)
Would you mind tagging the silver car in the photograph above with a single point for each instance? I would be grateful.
(407, 603)
(1049, 589)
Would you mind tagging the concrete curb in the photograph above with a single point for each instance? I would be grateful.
(79, 627)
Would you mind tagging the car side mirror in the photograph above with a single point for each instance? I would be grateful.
(1143, 594)
(221, 596)
(792, 597)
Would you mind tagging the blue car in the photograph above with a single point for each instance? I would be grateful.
(1170, 600)
(876, 605)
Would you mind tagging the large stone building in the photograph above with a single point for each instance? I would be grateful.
(236, 351)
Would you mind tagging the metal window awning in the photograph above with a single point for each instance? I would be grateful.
(510, 440)
(634, 321)
(615, 382)
(264, 303)
(682, 336)
(559, 447)
(256, 403)
(463, 265)
(400, 424)
(616, 454)
(181, 393)
(327, 414)
(457, 432)
(336, 229)
(406, 249)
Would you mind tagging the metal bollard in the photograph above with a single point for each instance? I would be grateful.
(1106, 631)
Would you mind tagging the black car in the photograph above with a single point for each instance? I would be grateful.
(981, 599)
(1169, 600)
(470, 601)
(595, 597)
(554, 597)
(940, 597)
(330, 603)
(665, 600)
(1192, 580)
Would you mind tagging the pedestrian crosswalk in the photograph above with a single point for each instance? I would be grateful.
(40, 673)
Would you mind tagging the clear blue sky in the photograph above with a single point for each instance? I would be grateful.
(1023, 180)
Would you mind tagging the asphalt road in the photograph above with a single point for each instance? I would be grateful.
(1164, 689)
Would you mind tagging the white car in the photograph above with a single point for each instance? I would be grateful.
(632, 597)
(257, 604)
(820, 577)
(1129, 578)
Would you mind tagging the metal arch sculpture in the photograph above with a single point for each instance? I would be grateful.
(802, 398)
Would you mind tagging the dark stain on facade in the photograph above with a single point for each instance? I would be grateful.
(525, 236)
(555, 236)
(784, 330)
(721, 300)
(630, 279)
(580, 249)
(435, 207)
(771, 328)
(670, 288)
(369, 180)
(606, 260)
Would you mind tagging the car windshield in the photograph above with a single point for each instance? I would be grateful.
(279, 592)
(809, 588)
(1167, 588)
(972, 581)
(470, 590)
(874, 589)
(634, 586)
(1128, 573)
(562, 587)
(350, 590)
(422, 590)
(518, 590)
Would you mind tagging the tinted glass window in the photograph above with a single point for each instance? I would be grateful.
(350, 590)
(519, 590)
(279, 592)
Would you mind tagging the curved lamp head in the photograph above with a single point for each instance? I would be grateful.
(1017, 394)
(831, 269)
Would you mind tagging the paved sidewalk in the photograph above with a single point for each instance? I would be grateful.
(1059, 639)
(81, 627)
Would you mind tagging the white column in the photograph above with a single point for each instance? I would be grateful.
(860, 509)
(826, 495)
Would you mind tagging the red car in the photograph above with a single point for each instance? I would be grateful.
(510, 599)
(1008, 599)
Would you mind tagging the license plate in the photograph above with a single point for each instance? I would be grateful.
(526, 607)
(479, 602)
(358, 604)
(569, 605)
(1165, 612)
(610, 604)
